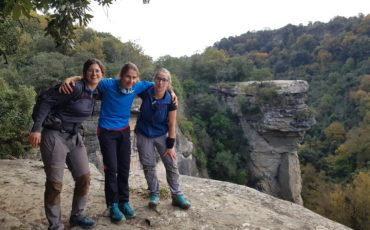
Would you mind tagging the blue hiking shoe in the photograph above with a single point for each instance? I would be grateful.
(127, 210)
(153, 200)
(115, 214)
(81, 221)
(180, 201)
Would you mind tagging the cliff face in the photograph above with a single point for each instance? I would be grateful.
(274, 118)
(184, 147)
(215, 204)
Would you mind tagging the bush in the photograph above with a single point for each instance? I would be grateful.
(15, 119)
(186, 128)
(247, 107)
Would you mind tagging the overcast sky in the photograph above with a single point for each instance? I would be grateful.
(184, 27)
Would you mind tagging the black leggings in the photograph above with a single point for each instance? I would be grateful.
(116, 149)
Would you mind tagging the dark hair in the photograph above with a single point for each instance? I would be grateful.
(90, 62)
(129, 66)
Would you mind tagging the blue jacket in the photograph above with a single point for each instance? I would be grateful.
(153, 118)
(115, 109)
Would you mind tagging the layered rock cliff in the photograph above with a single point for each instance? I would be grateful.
(215, 204)
(274, 118)
(184, 147)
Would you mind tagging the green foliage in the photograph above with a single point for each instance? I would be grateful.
(60, 23)
(264, 92)
(164, 193)
(190, 87)
(346, 203)
(9, 38)
(220, 144)
(332, 57)
(304, 114)
(261, 74)
(335, 132)
(46, 69)
(187, 128)
(35, 63)
(248, 108)
(177, 87)
(15, 118)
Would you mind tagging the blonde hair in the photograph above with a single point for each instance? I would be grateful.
(167, 72)
(129, 66)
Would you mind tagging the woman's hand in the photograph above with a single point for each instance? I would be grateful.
(174, 98)
(67, 86)
(171, 153)
(35, 139)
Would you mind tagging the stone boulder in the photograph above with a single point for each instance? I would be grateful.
(274, 118)
(185, 160)
(215, 204)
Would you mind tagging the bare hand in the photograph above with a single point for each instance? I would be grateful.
(67, 86)
(171, 153)
(174, 98)
(35, 139)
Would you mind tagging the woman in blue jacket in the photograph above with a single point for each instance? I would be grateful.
(156, 129)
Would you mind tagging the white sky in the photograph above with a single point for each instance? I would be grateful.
(184, 27)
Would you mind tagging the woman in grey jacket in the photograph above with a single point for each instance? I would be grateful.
(57, 120)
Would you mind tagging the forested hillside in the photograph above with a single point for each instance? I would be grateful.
(333, 57)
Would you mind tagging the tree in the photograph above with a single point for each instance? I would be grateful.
(210, 65)
(324, 56)
(46, 69)
(111, 49)
(261, 74)
(365, 83)
(61, 22)
(15, 118)
(239, 68)
(335, 132)
(9, 41)
(88, 41)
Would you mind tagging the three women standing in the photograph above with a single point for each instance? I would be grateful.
(117, 96)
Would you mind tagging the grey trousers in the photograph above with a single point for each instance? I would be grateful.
(58, 149)
(148, 158)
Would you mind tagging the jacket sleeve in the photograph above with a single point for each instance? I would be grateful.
(143, 85)
(49, 101)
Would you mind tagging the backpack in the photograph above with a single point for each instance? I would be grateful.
(51, 119)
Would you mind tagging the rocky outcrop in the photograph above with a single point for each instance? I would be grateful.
(215, 204)
(91, 140)
(185, 160)
(274, 118)
(184, 147)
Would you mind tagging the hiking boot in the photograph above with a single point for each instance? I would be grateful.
(127, 210)
(181, 202)
(153, 200)
(81, 221)
(115, 214)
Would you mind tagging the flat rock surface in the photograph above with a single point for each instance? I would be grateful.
(215, 204)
